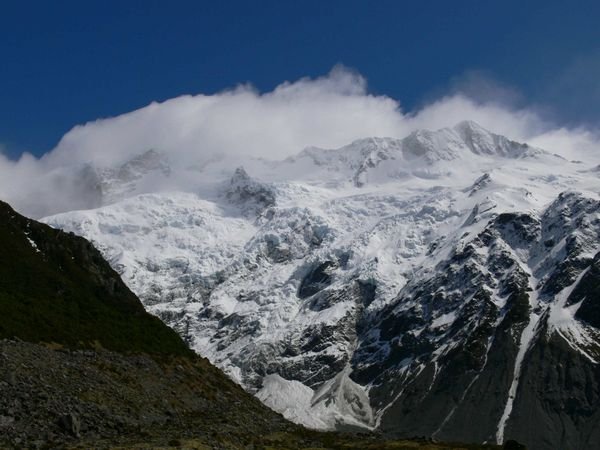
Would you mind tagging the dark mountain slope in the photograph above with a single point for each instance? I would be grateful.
(56, 287)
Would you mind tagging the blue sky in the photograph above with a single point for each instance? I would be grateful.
(67, 62)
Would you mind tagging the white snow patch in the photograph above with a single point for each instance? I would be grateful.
(561, 319)
(33, 244)
(444, 319)
(337, 401)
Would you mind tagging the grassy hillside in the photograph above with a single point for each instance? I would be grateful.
(56, 287)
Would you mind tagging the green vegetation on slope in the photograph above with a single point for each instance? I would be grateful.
(56, 287)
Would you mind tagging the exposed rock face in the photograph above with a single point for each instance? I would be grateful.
(316, 280)
(253, 195)
(515, 331)
(425, 274)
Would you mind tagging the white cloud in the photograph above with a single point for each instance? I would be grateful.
(574, 143)
(329, 112)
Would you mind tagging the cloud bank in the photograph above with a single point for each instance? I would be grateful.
(327, 112)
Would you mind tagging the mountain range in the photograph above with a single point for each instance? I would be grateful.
(443, 285)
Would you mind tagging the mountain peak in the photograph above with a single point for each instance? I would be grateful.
(470, 126)
(483, 142)
(240, 176)
(251, 195)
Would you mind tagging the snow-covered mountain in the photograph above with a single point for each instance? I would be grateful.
(446, 284)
